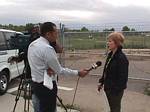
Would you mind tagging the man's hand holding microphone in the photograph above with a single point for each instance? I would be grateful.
(83, 73)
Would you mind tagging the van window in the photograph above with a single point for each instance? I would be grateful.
(3, 45)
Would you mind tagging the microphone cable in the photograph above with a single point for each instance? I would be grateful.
(74, 96)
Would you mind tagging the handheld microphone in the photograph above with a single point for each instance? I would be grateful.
(95, 65)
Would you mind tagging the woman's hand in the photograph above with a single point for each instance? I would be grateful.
(100, 87)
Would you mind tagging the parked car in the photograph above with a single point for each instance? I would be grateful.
(8, 71)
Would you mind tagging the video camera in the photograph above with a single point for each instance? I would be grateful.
(20, 42)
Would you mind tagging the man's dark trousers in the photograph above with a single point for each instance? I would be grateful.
(47, 97)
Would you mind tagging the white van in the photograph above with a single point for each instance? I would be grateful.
(8, 71)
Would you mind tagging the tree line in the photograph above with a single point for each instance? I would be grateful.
(29, 26)
(124, 28)
(84, 29)
(20, 28)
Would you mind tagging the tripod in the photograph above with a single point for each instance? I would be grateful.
(25, 86)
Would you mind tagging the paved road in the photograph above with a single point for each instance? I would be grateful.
(87, 99)
(7, 101)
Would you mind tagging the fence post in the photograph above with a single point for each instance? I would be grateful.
(62, 55)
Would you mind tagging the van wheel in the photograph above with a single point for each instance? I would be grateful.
(3, 83)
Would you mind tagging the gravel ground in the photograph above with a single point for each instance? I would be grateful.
(88, 99)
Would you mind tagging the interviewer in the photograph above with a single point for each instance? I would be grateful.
(42, 56)
(115, 74)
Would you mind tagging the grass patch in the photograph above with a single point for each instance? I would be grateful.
(68, 106)
(147, 90)
(84, 42)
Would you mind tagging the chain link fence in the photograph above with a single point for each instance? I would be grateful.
(93, 37)
(85, 45)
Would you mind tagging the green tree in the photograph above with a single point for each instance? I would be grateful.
(106, 29)
(10, 26)
(84, 29)
(112, 29)
(1, 26)
(133, 29)
(29, 27)
(125, 28)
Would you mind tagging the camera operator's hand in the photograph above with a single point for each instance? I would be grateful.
(100, 86)
(83, 73)
(12, 59)
(50, 72)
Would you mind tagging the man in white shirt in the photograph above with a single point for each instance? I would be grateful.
(42, 56)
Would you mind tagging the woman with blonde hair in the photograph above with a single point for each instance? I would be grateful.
(115, 73)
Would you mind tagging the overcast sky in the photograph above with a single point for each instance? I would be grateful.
(74, 11)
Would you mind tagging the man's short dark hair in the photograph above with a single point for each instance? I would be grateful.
(46, 27)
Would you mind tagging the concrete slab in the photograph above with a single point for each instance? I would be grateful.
(7, 102)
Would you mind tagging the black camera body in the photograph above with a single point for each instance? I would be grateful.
(20, 42)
